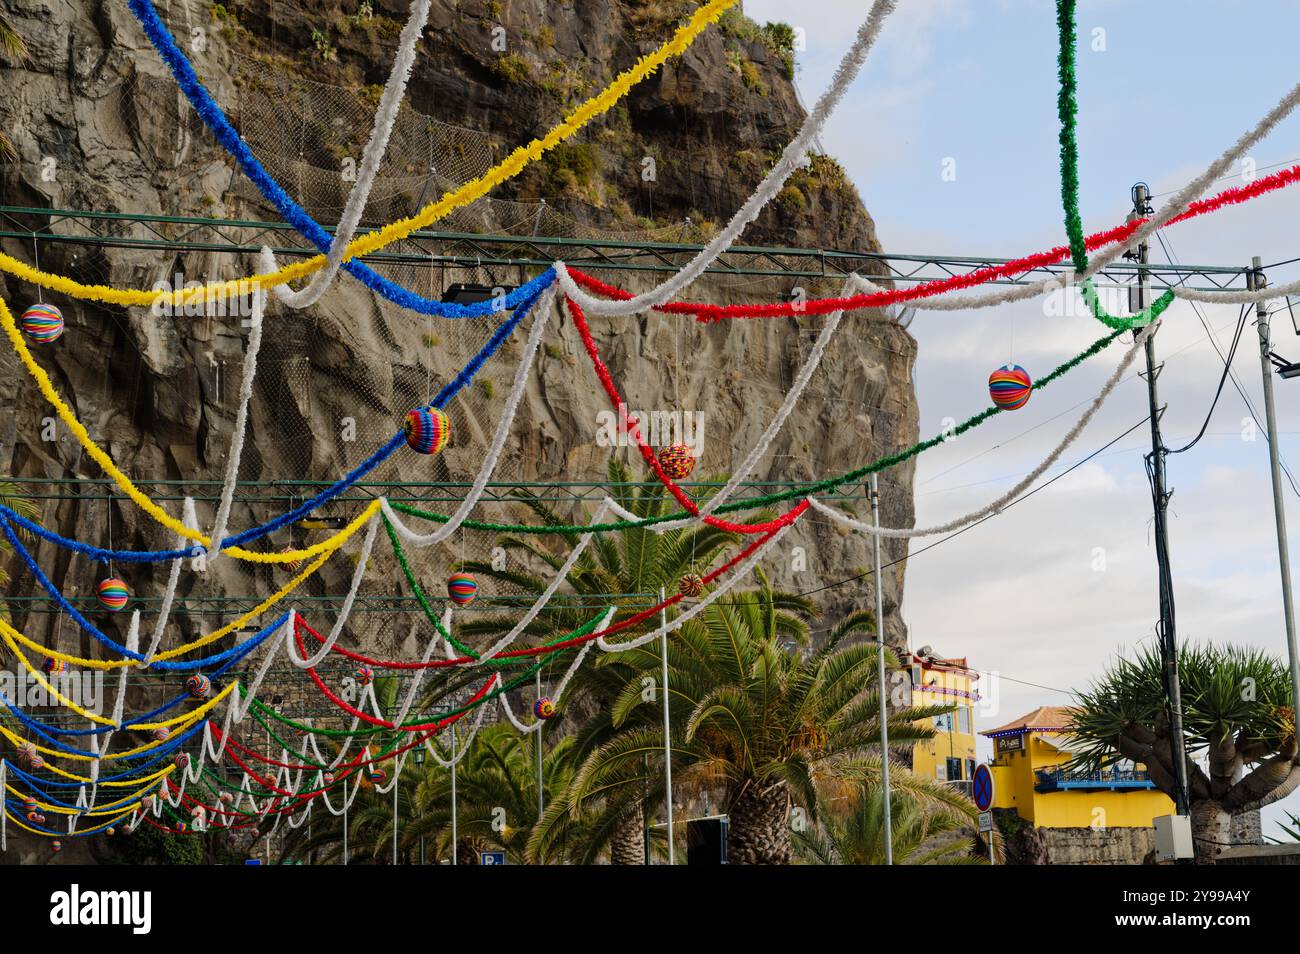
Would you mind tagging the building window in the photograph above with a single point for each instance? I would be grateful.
(916, 677)
(943, 723)
(954, 770)
(963, 720)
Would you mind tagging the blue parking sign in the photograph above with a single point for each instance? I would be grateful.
(491, 857)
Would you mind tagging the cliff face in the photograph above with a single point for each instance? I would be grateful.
(161, 393)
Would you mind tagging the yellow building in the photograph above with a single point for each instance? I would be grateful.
(950, 755)
(1029, 775)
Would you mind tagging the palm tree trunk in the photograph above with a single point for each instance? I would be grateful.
(627, 844)
(1211, 831)
(758, 832)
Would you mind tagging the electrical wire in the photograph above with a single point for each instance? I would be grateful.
(1218, 392)
(1100, 450)
(1236, 383)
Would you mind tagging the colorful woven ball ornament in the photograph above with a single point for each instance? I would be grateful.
(427, 430)
(162, 733)
(37, 762)
(29, 803)
(677, 461)
(543, 708)
(56, 846)
(36, 818)
(293, 566)
(1010, 387)
(110, 832)
(691, 585)
(42, 323)
(462, 588)
(26, 750)
(113, 594)
(198, 686)
(52, 666)
(227, 797)
(182, 760)
(377, 776)
(365, 675)
(328, 778)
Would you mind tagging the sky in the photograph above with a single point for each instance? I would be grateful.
(1042, 597)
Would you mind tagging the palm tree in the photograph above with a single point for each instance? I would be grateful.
(755, 720)
(13, 49)
(927, 824)
(496, 788)
(12, 496)
(1236, 713)
(1290, 828)
(626, 569)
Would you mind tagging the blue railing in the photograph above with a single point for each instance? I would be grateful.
(1062, 779)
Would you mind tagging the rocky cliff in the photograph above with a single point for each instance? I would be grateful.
(96, 123)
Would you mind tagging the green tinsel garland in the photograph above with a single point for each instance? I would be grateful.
(1067, 109)
(801, 491)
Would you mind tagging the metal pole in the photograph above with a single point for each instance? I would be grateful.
(1160, 503)
(453, 793)
(1255, 279)
(345, 821)
(880, 672)
(668, 750)
(645, 803)
(396, 775)
(541, 726)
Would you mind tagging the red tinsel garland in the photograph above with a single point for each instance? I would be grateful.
(821, 306)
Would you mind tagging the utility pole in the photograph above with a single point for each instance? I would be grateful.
(1160, 501)
(1254, 280)
(668, 747)
(880, 672)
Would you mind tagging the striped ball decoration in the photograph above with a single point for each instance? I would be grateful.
(182, 760)
(544, 708)
(29, 803)
(52, 666)
(42, 323)
(677, 461)
(293, 566)
(56, 846)
(198, 686)
(376, 776)
(162, 733)
(113, 594)
(427, 430)
(691, 585)
(462, 588)
(328, 778)
(1010, 387)
(364, 675)
(37, 762)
